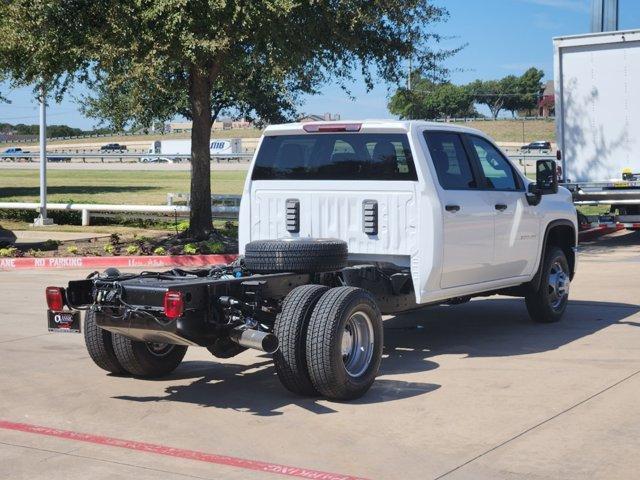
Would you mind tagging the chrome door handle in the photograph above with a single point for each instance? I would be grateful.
(452, 208)
(501, 207)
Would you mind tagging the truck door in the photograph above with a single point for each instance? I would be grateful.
(516, 222)
(467, 212)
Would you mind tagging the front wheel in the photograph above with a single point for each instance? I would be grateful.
(548, 303)
(344, 343)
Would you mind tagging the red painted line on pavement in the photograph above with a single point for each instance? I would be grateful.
(178, 452)
(125, 261)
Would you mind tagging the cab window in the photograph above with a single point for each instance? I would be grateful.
(450, 160)
(497, 169)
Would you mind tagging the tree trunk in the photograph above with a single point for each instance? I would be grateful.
(200, 223)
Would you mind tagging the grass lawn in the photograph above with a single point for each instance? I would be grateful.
(110, 186)
(512, 130)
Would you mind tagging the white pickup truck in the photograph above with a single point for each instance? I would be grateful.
(339, 224)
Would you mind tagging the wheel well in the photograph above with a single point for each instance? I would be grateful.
(563, 237)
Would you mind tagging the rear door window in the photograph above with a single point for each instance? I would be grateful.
(450, 160)
(322, 156)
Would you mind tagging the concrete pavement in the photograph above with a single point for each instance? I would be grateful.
(471, 391)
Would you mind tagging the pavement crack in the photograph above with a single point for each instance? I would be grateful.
(537, 425)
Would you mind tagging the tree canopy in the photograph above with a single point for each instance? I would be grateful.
(428, 99)
(150, 60)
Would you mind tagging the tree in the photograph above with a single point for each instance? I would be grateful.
(490, 93)
(177, 56)
(430, 100)
(530, 87)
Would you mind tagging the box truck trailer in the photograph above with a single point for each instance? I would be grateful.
(598, 119)
(172, 151)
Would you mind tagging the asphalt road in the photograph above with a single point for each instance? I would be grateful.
(473, 391)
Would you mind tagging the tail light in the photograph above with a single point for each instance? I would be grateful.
(55, 300)
(331, 127)
(173, 304)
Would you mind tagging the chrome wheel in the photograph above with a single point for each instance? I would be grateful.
(558, 285)
(159, 349)
(357, 343)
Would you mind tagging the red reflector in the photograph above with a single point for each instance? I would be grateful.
(173, 304)
(55, 301)
(331, 127)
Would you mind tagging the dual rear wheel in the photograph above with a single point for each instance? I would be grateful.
(330, 341)
(120, 355)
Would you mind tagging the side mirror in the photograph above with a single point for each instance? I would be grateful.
(546, 177)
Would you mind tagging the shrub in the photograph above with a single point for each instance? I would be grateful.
(160, 251)
(8, 252)
(190, 249)
(109, 248)
(215, 247)
(182, 226)
(132, 249)
(72, 249)
(51, 244)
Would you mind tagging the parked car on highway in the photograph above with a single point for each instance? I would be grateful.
(16, 153)
(537, 145)
(341, 223)
(113, 147)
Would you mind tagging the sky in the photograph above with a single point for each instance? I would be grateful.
(503, 37)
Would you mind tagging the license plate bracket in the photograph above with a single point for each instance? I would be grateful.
(63, 322)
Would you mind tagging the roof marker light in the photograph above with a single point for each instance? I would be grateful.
(331, 127)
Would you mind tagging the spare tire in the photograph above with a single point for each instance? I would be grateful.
(301, 255)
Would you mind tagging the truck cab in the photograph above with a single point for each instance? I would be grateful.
(440, 200)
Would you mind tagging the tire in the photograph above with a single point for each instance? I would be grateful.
(99, 344)
(138, 358)
(291, 329)
(548, 303)
(333, 372)
(304, 255)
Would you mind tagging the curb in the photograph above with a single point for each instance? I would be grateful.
(593, 233)
(9, 264)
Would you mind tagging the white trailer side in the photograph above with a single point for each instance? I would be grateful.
(597, 89)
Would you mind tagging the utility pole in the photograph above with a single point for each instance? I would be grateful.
(42, 219)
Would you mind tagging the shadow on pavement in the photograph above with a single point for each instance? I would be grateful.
(485, 328)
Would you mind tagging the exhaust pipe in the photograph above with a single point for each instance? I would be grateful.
(249, 338)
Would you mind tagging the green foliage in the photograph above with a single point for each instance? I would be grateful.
(430, 100)
(190, 249)
(109, 249)
(72, 249)
(132, 249)
(511, 93)
(150, 61)
(182, 226)
(215, 247)
(159, 251)
(8, 252)
(114, 239)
